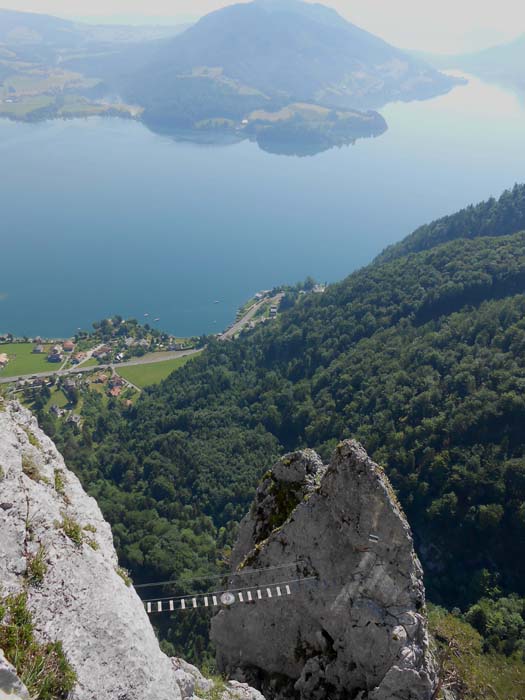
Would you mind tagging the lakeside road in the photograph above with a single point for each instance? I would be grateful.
(242, 322)
(150, 359)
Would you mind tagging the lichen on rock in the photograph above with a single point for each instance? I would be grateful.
(358, 628)
(291, 480)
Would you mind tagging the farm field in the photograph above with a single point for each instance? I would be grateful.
(146, 375)
(23, 361)
(26, 106)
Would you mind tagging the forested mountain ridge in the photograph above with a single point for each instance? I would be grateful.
(421, 358)
(495, 217)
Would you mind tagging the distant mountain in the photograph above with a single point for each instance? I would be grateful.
(38, 79)
(503, 64)
(26, 29)
(18, 28)
(276, 52)
(294, 76)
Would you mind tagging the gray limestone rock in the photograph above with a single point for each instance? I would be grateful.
(354, 623)
(81, 601)
(235, 690)
(190, 679)
(194, 686)
(11, 687)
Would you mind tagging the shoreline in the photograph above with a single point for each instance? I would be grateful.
(248, 315)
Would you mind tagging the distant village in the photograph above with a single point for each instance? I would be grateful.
(89, 359)
(112, 341)
(44, 370)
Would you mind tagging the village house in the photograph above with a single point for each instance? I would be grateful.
(116, 381)
(102, 378)
(38, 349)
(102, 352)
(68, 346)
(55, 356)
(115, 392)
(78, 357)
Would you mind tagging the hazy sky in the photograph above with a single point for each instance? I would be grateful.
(442, 25)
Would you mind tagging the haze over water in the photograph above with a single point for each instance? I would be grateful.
(103, 216)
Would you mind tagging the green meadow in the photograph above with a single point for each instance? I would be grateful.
(146, 375)
(23, 361)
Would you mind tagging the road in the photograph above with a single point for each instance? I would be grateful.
(89, 355)
(150, 359)
(242, 322)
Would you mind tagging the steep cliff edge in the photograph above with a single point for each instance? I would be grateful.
(354, 624)
(61, 589)
(55, 544)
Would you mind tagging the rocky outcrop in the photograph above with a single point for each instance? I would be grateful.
(353, 624)
(194, 685)
(56, 546)
(55, 543)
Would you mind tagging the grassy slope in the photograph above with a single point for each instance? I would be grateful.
(466, 669)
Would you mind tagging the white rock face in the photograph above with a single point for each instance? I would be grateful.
(82, 601)
(359, 629)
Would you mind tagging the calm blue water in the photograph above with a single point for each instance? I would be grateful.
(102, 216)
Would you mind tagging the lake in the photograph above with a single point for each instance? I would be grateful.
(103, 216)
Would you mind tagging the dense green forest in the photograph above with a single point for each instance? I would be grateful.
(420, 355)
(495, 217)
